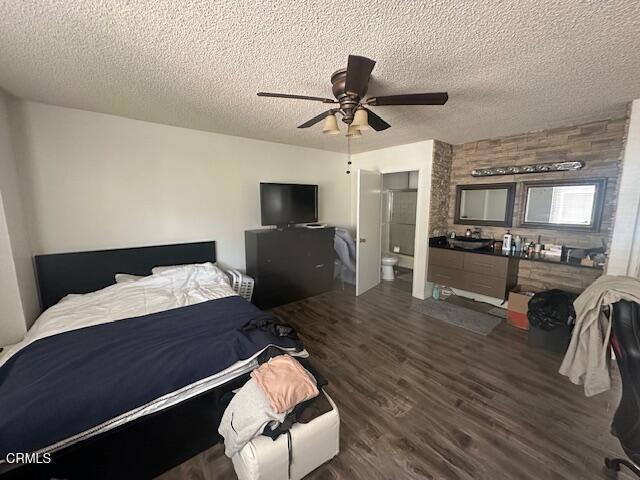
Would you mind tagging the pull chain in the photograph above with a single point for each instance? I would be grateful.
(348, 155)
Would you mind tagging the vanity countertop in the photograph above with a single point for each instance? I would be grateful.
(536, 257)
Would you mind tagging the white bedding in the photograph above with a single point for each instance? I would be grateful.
(176, 287)
(172, 288)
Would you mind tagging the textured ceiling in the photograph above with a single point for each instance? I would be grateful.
(509, 66)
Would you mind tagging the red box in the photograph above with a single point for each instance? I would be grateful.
(519, 306)
(518, 319)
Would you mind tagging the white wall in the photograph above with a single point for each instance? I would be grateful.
(12, 322)
(624, 258)
(101, 181)
(18, 298)
(413, 156)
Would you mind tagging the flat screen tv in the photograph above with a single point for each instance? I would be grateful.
(288, 203)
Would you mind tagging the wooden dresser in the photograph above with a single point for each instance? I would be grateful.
(487, 274)
(289, 264)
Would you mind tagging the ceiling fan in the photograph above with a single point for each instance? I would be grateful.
(349, 86)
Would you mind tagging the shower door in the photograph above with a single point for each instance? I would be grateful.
(401, 221)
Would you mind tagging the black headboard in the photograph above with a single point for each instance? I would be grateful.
(83, 272)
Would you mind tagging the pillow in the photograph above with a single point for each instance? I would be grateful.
(285, 383)
(166, 268)
(127, 277)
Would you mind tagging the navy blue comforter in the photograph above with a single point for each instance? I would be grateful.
(65, 384)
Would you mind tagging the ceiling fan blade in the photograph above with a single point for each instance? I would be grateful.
(375, 122)
(358, 73)
(439, 98)
(317, 118)
(296, 97)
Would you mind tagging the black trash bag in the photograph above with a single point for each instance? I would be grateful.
(551, 309)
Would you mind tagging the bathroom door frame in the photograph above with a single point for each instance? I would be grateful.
(420, 249)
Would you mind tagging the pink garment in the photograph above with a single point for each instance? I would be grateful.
(285, 382)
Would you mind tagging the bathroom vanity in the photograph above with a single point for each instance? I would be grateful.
(483, 272)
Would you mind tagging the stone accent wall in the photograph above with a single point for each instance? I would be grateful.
(599, 144)
(545, 276)
(440, 182)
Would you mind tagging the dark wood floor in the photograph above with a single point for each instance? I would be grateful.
(421, 399)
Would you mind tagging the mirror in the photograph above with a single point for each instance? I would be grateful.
(485, 204)
(564, 204)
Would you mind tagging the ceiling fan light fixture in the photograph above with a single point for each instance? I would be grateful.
(361, 120)
(331, 125)
(353, 132)
(349, 87)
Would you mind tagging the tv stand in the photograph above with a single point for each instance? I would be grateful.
(289, 264)
(288, 226)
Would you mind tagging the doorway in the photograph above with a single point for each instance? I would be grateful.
(416, 157)
(387, 216)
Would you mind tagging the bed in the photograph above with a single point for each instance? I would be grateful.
(127, 381)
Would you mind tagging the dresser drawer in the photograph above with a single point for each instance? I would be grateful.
(446, 258)
(485, 284)
(485, 264)
(449, 277)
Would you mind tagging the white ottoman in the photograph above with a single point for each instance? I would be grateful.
(313, 444)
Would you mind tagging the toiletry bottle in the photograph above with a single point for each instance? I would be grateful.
(468, 233)
(506, 242)
(518, 243)
(436, 292)
(538, 247)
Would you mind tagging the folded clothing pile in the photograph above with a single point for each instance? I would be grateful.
(280, 393)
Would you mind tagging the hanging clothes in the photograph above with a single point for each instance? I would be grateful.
(587, 359)
(345, 249)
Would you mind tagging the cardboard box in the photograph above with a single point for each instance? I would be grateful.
(519, 306)
(518, 320)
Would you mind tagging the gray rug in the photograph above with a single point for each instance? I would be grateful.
(458, 316)
(498, 312)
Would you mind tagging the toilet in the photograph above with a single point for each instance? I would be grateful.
(388, 262)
